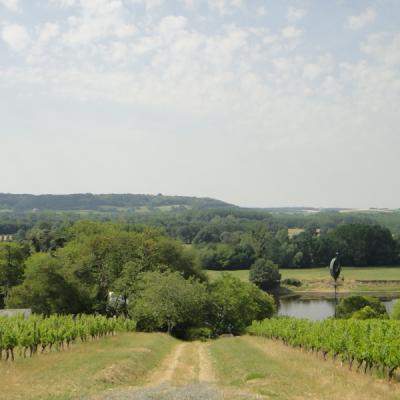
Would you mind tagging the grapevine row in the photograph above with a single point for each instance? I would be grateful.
(369, 343)
(38, 333)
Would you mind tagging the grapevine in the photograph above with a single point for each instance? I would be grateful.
(38, 333)
(368, 343)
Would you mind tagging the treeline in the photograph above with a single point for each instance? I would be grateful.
(121, 269)
(88, 201)
(358, 245)
(233, 238)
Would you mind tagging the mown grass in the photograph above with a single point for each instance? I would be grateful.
(360, 273)
(118, 361)
(356, 280)
(270, 369)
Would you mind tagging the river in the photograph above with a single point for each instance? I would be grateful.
(315, 309)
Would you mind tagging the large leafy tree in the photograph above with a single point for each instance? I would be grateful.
(12, 258)
(44, 290)
(235, 304)
(265, 274)
(107, 257)
(167, 301)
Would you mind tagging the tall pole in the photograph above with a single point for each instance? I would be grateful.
(335, 285)
(334, 269)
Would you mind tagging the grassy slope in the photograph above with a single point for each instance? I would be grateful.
(275, 371)
(317, 279)
(86, 368)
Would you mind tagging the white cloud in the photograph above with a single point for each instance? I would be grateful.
(261, 11)
(291, 32)
(225, 6)
(360, 21)
(296, 14)
(148, 4)
(97, 19)
(383, 47)
(12, 5)
(171, 24)
(64, 3)
(15, 36)
(48, 31)
(311, 71)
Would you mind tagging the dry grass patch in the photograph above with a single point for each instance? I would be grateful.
(122, 360)
(271, 370)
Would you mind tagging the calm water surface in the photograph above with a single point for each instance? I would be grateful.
(314, 309)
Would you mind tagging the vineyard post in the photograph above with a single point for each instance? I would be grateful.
(334, 269)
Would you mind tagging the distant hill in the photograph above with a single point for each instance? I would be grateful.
(104, 202)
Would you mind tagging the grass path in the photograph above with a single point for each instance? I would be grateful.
(84, 369)
(188, 363)
(158, 367)
(274, 371)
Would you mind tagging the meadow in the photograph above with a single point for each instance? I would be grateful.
(352, 279)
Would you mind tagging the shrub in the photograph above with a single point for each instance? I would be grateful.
(396, 310)
(367, 313)
(292, 282)
(235, 304)
(265, 274)
(202, 333)
(350, 305)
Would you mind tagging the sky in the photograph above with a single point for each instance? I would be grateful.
(258, 103)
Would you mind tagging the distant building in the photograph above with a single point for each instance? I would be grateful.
(6, 238)
(11, 312)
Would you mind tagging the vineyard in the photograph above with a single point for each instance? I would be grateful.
(38, 333)
(370, 344)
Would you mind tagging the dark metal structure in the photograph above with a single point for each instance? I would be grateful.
(334, 269)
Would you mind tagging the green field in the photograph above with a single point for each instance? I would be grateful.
(361, 279)
(354, 273)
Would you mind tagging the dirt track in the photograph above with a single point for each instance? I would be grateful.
(186, 374)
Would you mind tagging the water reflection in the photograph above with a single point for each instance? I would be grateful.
(315, 309)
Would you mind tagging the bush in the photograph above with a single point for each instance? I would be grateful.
(350, 305)
(367, 313)
(292, 282)
(202, 333)
(396, 310)
(235, 304)
(265, 274)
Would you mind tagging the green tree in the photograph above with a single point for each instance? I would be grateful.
(12, 257)
(265, 274)
(96, 260)
(348, 306)
(125, 285)
(44, 290)
(235, 304)
(168, 302)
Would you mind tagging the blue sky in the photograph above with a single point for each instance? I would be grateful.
(260, 103)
